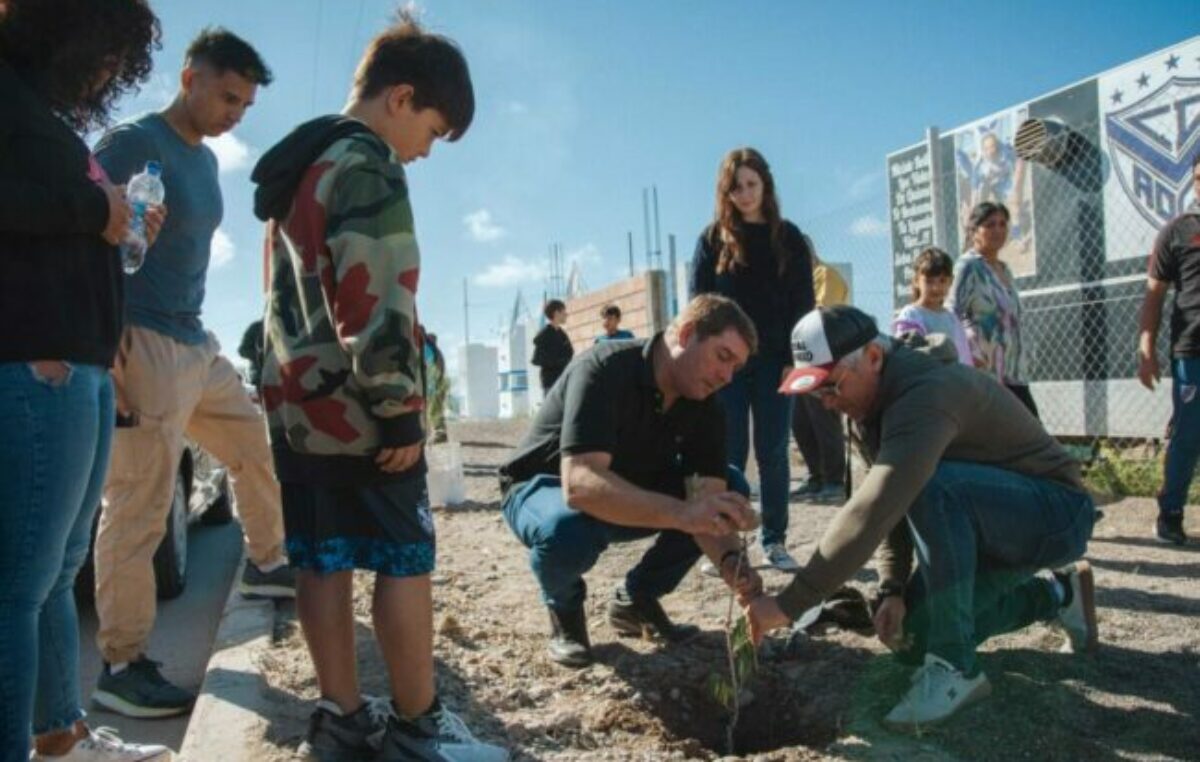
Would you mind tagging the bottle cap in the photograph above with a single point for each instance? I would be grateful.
(153, 168)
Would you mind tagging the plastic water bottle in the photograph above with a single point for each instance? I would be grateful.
(144, 189)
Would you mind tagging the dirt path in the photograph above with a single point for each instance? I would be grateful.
(816, 698)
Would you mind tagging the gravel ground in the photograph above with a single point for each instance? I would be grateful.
(820, 697)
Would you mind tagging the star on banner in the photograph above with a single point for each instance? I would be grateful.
(1143, 81)
(1173, 62)
(1117, 96)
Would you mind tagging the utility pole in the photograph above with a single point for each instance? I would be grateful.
(657, 233)
(646, 224)
(629, 237)
(671, 277)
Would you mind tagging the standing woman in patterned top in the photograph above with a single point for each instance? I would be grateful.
(986, 301)
(752, 255)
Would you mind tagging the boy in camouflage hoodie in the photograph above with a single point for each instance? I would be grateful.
(343, 389)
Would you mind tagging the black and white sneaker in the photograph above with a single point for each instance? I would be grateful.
(280, 582)
(439, 736)
(1169, 528)
(139, 690)
(334, 736)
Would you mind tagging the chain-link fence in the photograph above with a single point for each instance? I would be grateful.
(1081, 228)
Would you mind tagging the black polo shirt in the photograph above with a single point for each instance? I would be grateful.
(607, 401)
(1176, 260)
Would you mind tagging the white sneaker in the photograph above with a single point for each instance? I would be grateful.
(778, 556)
(938, 691)
(443, 736)
(103, 745)
(1078, 620)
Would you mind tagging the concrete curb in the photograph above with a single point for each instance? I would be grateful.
(232, 705)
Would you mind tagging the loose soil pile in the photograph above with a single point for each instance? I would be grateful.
(819, 697)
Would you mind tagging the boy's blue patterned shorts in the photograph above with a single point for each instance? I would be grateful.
(384, 528)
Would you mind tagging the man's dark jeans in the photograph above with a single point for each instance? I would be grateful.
(565, 543)
(981, 533)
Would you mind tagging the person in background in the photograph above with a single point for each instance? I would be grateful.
(552, 349)
(171, 377)
(437, 386)
(1173, 263)
(752, 255)
(344, 395)
(818, 431)
(251, 350)
(63, 63)
(610, 318)
(933, 272)
(985, 299)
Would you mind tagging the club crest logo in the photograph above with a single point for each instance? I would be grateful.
(1151, 143)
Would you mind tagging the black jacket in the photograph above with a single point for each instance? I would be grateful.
(774, 301)
(61, 293)
(552, 352)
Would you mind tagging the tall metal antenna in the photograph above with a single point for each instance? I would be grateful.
(657, 234)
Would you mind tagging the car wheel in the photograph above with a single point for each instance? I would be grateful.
(170, 560)
(220, 510)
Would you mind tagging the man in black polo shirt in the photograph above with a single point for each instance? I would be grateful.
(607, 460)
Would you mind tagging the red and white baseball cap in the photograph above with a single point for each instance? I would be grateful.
(822, 338)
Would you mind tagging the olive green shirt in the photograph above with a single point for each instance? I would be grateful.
(929, 408)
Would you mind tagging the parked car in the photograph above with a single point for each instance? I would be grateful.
(201, 494)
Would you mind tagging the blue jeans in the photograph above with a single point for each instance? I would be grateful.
(981, 533)
(754, 393)
(55, 438)
(565, 543)
(1183, 447)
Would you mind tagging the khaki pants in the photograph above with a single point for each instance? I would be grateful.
(175, 389)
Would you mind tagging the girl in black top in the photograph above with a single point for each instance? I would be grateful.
(752, 255)
(62, 64)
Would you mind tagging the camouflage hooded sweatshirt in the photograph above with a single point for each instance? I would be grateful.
(342, 369)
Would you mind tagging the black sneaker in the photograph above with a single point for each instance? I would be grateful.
(1169, 528)
(809, 486)
(277, 583)
(337, 737)
(141, 691)
(569, 644)
(639, 617)
(439, 736)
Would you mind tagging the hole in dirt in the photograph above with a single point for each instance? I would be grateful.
(779, 716)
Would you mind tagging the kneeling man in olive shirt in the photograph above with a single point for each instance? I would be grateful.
(959, 471)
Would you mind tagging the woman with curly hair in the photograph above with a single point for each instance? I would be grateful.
(62, 65)
(752, 255)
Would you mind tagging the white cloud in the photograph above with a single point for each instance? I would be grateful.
(587, 254)
(223, 250)
(481, 228)
(866, 184)
(232, 153)
(510, 272)
(516, 108)
(869, 226)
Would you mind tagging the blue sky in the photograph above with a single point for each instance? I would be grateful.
(581, 105)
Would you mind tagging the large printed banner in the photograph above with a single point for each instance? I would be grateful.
(910, 195)
(986, 168)
(1150, 130)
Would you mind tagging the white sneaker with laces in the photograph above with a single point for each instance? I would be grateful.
(778, 556)
(938, 691)
(103, 745)
(1078, 620)
(460, 745)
